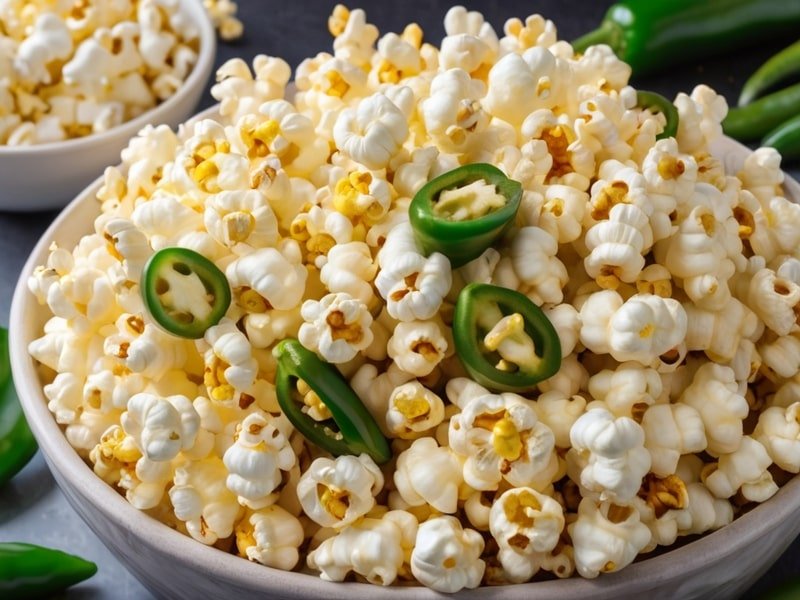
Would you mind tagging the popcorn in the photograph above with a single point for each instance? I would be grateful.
(273, 277)
(778, 430)
(350, 269)
(446, 557)
(337, 327)
(533, 267)
(372, 133)
(452, 113)
(202, 501)
(241, 91)
(745, 470)
(608, 456)
(255, 461)
(48, 42)
(270, 536)
(628, 390)
(413, 410)
(86, 69)
(412, 285)
(525, 524)
(427, 473)
(606, 537)
(521, 84)
(502, 439)
(615, 247)
(161, 427)
(418, 346)
(241, 221)
(223, 16)
(672, 430)
(471, 43)
(373, 548)
(714, 394)
(334, 493)
(230, 369)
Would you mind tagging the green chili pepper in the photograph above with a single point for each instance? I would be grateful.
(184, 292)
(657, 103)
(504, 340)
(785, 138)
(752, 122)
(28, 571)
(462, 240)
(780, 67)
(357, 431)
(652, 35)
(17, 444)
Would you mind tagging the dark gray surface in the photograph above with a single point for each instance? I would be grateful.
(32, 508)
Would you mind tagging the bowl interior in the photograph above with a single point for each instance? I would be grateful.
(693, 560)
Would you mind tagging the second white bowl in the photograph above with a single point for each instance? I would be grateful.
(47, 176)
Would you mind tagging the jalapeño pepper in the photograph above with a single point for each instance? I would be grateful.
(504, 340)
(357, 431)
(657, 103)
(785, 138)
(17, 444)
(465, 224)
(184, 292)
(757, 119)
(782, 66)
(652, 35)
(28, 571)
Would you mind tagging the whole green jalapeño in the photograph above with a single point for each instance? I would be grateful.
(184, 292)
(29, 571)
(462, 212)
(505, 342)
(355, 432)
(17, 444)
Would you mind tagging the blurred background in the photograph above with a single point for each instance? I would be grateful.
(32, 508)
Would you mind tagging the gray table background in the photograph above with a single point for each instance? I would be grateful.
(32, 508)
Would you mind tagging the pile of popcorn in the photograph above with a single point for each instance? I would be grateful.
(674, 287)
(70, 68)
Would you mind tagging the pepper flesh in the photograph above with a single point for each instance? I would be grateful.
(17, 444)
(752, 122)
(463, 240)
(29, 571)
(358, 432)
(780, 67)
(532, 351)
(653, 35)
(193, 310)
(657, 103)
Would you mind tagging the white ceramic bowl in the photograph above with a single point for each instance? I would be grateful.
(722, 564)
(46, 176)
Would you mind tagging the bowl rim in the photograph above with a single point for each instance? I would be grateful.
(197, 78)
(225, 566)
